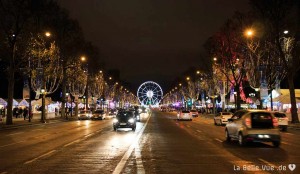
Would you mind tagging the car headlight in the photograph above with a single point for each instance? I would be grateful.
(115, 120)
(131, 120)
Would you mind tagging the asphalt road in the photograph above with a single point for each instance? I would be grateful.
(160, 144)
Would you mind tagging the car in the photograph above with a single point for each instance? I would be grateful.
(98, 115)
(85, 115)
(222, 118)
(112, 112)
(253, 126)
(194, 113)
(184, 115)
(137, 115)
(283, 120)
(124, 119)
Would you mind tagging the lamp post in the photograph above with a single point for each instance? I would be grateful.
(235, 99)
(43, 92)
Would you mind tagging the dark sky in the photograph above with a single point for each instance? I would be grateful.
(151, 39)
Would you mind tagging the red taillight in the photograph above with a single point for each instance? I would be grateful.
(275, 122)
(248, 122)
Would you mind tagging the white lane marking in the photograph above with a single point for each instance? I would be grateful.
(89, 135)
(76, 141)
(11, 144)
(199, 131)
(126, 156)
(217, 139)
(288, 133)
(285, 143)
(139, 162)
(188, 126)
(44, 155)
(36, 130)
(15, 133)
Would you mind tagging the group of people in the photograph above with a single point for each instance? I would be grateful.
(19, 112)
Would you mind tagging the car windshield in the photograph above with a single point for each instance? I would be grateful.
(84, 112)
(193, 111)
(262, 120)
(280, 115)
(99, 111)
(125, 114)
(185, 111)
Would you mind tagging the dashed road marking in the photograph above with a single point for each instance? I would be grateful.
(217, 139)
(199, 131)
(44, 155)
(76, 141)
(12, 144)
(15, 133)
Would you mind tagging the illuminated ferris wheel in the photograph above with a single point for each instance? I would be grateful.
(149, 93)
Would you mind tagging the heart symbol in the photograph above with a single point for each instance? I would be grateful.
(292, 167)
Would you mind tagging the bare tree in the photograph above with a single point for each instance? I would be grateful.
(281, 18)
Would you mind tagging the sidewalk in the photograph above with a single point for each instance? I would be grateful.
(20, 122)
(295, 126)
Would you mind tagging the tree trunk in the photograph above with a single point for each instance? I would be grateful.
(238, 98)
(11, 85)
(10, 92)
(294, 113)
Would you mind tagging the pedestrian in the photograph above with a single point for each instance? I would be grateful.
(25, 113)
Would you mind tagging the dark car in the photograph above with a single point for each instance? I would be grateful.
(98, 115)
(124, 119)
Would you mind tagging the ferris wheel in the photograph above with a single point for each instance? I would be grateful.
(149, 93)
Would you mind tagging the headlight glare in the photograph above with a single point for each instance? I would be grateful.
(131, 120)
(115, 120)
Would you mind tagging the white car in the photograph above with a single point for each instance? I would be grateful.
(222, 118)
(184, 115)
(283, 120)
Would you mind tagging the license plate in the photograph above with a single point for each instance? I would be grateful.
(122, 123)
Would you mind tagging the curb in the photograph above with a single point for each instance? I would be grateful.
(36, 122)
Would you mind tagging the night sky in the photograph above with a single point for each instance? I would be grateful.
(151, 39)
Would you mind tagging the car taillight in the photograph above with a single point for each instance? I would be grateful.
(248, 122)
(275, 122)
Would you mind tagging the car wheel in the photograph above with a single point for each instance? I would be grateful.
(241, 140)
(215, 122)
(115, 128)
(220, 123)
(227, 136)
(276, 143)
(133, 129)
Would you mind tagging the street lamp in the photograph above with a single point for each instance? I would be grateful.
(249, 33)
(235, 99)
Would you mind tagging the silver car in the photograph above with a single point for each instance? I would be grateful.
(253, 126)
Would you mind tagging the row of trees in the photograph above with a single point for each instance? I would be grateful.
(260, 48)
(51, 59)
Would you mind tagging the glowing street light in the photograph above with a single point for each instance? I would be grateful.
(285, 31)
(48, 34)
(249, 33)
(215, 59)
(187, 78)
(83, 58)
